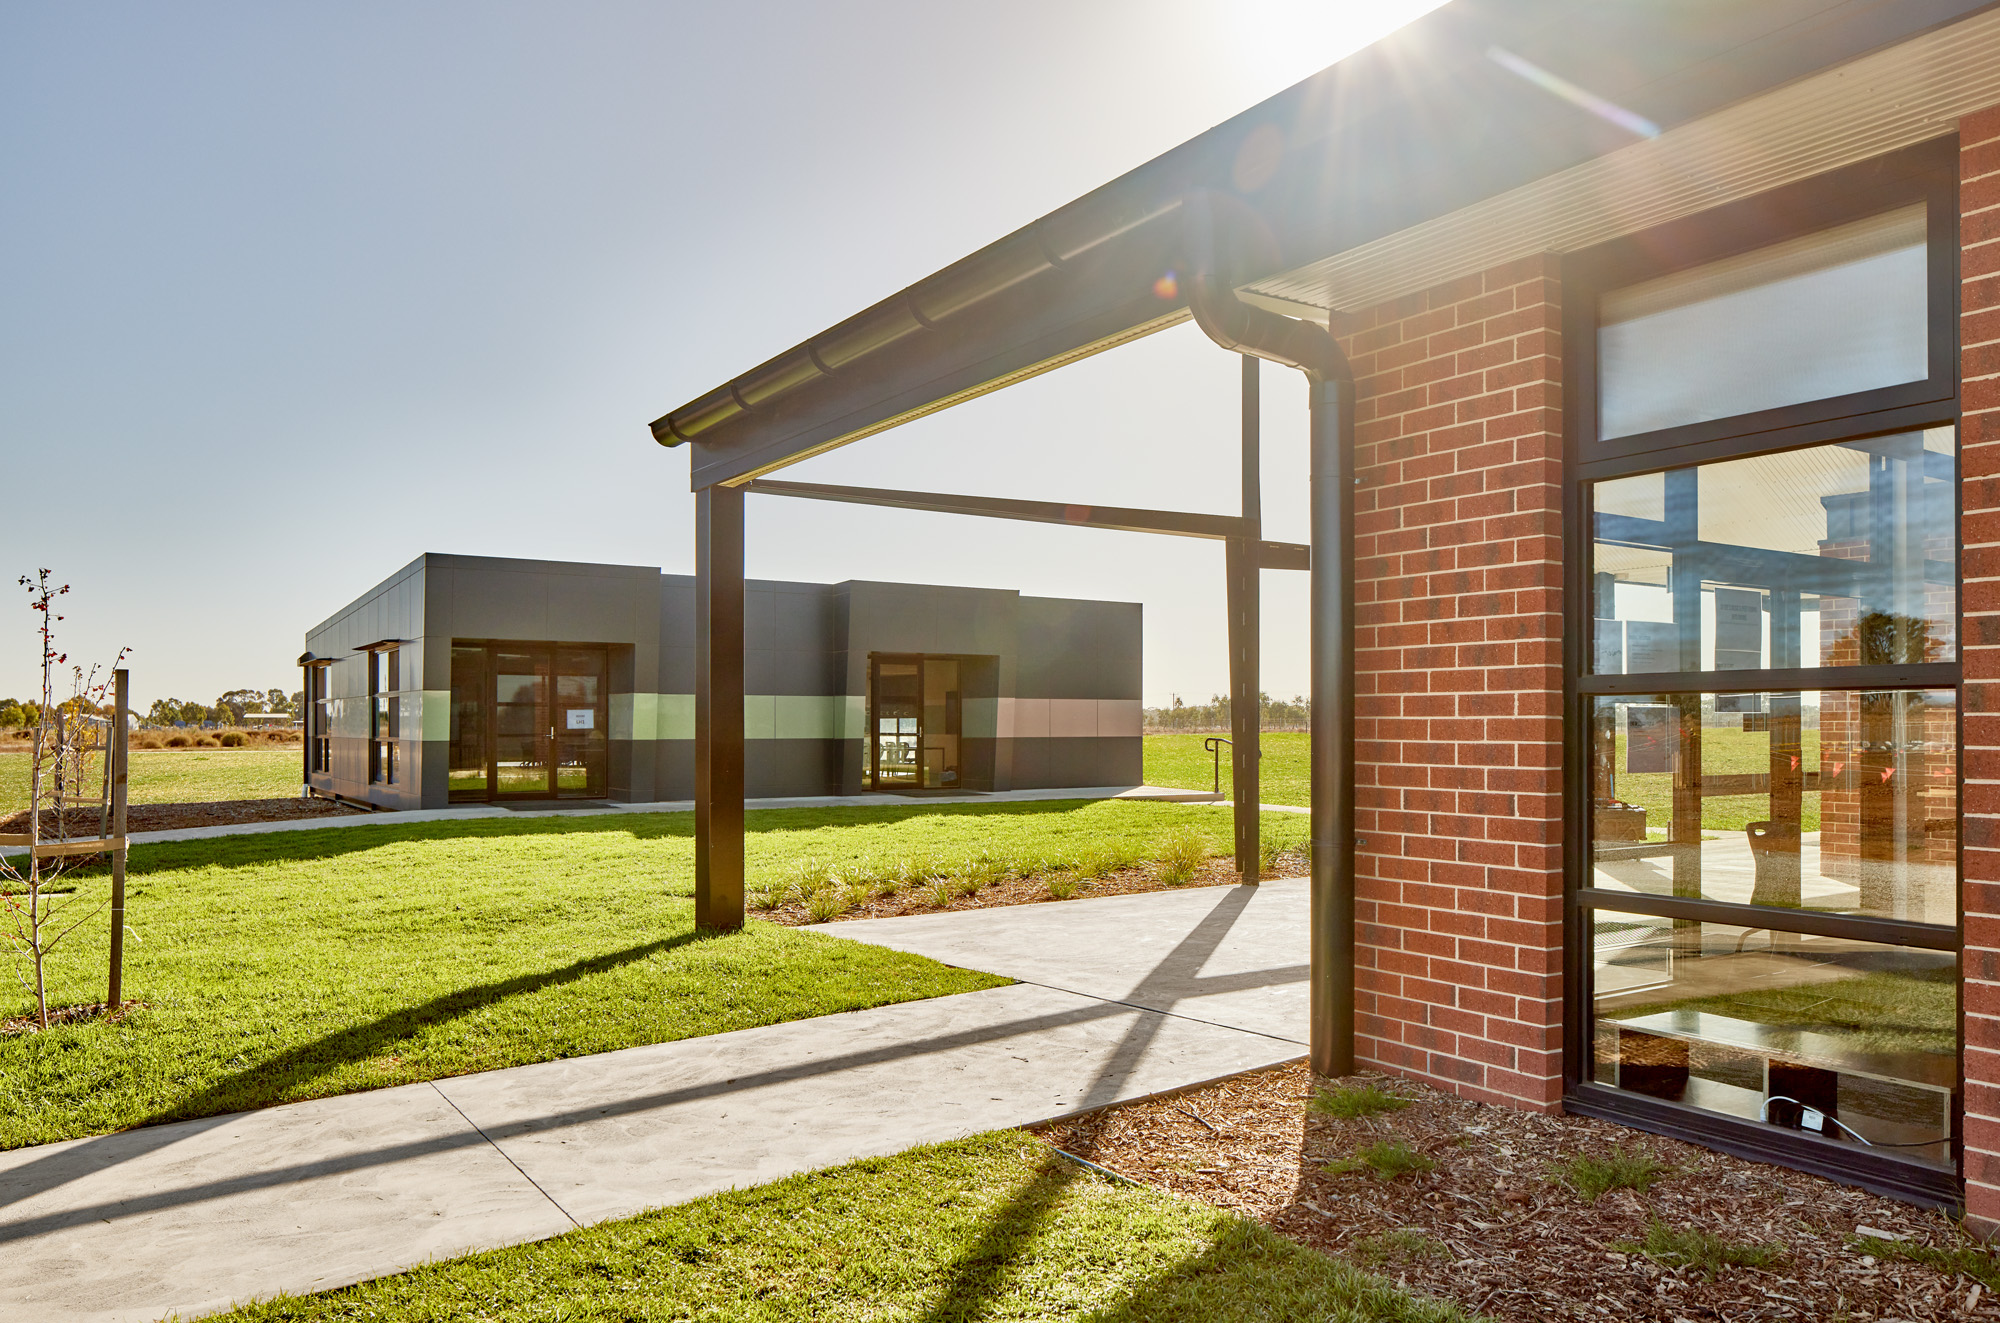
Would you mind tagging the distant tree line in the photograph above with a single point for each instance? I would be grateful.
(1273, 714)
(227, 710)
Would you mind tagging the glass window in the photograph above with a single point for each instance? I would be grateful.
(1835, 555)
(1849, 1039)
(1837, 801)
(468, 773)
(1827, 314)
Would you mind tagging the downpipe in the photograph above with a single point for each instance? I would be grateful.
(1242, 329)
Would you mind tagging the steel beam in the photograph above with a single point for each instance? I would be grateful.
(1121, 519)
(718, 708)
(1245, 690)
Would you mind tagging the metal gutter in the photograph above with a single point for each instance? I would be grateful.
(1311, 349)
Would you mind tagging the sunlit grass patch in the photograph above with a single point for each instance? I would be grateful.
(992, 1227)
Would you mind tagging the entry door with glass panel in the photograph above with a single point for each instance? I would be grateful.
(578, 720)
(918, 719)
(899, 711)
(523, 730)
(529, 720)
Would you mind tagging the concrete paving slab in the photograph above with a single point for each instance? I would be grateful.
(1234, 956)
(192, 1216)
(607, 1136)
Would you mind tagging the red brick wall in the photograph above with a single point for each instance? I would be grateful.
(1979, 440)
(1459, 710)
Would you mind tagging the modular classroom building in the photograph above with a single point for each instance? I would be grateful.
(480, 679)
(1654, 356)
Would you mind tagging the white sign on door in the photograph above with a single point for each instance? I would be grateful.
(582, 718)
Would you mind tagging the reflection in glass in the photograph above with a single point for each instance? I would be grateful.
(1826, 314)
(521, 723)
(898, 712)
(1840, 801)
(1779, 1027)
(467, 773)
(1836, 555)
(942, 715)
(582, 742)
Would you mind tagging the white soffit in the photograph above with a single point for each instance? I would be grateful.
(1894, 98)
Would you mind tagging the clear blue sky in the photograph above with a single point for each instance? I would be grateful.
(292, 293)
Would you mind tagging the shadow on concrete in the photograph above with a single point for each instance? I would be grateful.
(264, 1084)
(105, 1151)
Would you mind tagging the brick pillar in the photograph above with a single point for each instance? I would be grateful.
(1979, 441)
(1458, 740)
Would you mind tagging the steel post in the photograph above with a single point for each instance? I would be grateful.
(119, 754)
(1331, 1050)
(1245, 688)
(718, 711)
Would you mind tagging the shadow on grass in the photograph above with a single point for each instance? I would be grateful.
(268, 1082)
(331, 842)
(1245, 1262)
(977, 1277)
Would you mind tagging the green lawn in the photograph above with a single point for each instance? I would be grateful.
(1284, 774)
(992, 1227)
(181, 776)
(1725, 751)
(300, 964)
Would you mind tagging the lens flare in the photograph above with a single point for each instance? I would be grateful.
(1167, 287)
(1570, 92)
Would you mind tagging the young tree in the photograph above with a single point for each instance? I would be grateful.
(38, 920)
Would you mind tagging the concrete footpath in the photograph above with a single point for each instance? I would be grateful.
(459, 812)
(1118, 999)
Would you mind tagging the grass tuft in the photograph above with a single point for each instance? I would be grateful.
(1063, 885)
(1387, 1159)
(827, 903)
(1967, 1260)
(1181, 855)
(1351, 1102)
(1403, 1245)
(1700, 1251)
(1594, 1177)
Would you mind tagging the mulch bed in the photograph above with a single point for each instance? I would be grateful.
(61, 1015)
(1492, 1231)
(1026, 891)
(168, 817)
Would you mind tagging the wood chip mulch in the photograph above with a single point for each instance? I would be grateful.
(1026, 891)
(1491, 1230)
(168, 817)
(61, 1015)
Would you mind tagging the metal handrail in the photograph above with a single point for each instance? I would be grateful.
(1213, 744)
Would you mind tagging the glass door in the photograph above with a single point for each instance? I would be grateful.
(898, 727)
(523, 725)
(470, 775)
(582, 750)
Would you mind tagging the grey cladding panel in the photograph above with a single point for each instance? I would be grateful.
(497, 604)
(586, 608)
(1077, 649)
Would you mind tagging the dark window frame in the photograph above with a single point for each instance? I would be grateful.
(319, 717)
(384, 714)
(1926, 172)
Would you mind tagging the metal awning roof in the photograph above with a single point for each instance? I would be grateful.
(1412, 131)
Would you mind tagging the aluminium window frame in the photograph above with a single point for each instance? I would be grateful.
(1927, 172)
(382, 665)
